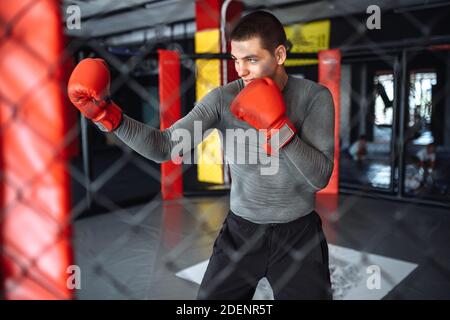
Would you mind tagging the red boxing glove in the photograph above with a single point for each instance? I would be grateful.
(261, 105)
(88, 90)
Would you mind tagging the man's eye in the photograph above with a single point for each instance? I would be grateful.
(253, 60)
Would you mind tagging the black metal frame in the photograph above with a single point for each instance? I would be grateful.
(397, 190)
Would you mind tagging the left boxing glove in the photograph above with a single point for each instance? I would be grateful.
(261, 105)
(88, 90)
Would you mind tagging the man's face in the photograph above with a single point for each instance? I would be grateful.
(252, 61)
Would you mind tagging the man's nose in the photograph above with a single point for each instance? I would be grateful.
(241, 70)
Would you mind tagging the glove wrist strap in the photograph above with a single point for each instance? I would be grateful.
(279, 137)
(110, 118)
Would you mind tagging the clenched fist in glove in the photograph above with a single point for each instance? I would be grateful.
(261, 105)
(88, 90)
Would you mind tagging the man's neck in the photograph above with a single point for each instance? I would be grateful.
(281, 78)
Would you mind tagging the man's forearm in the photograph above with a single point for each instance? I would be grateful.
(150, 142)
(312, 164)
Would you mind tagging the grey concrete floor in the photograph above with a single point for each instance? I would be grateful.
(135, 253)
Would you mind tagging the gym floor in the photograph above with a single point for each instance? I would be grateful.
(137, 253)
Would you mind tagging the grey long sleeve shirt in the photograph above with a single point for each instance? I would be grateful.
(278, 191)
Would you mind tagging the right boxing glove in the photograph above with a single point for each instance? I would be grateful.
(262, 106)
(88, 90)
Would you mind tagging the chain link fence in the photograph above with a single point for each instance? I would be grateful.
(130, 244)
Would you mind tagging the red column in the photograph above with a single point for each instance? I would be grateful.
(35, 122)
(170, 112)
(330, 77)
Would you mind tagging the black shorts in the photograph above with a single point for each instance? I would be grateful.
(293, 256)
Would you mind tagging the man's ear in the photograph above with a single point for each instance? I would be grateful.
(280, 54)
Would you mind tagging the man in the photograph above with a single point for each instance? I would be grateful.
(358, 149)
(427, 163)
(272, 229)
(427, 157)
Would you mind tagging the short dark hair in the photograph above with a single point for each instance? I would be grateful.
(263, 25)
